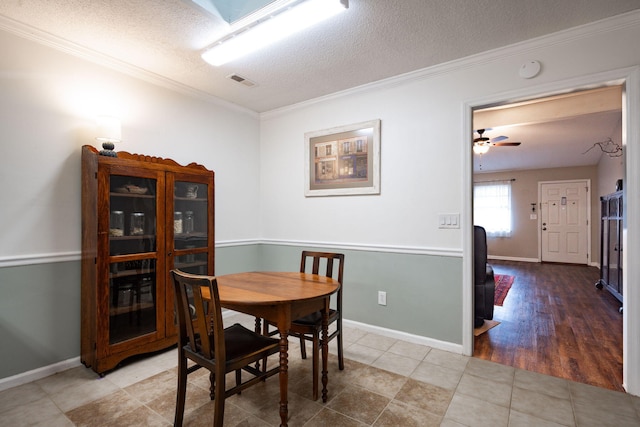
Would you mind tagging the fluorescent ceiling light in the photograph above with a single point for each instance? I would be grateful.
(273, 29)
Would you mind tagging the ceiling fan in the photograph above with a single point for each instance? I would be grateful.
(481, 144)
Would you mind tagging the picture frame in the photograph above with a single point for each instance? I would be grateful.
(343, 160)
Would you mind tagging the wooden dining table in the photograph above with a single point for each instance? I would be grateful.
(281, 297)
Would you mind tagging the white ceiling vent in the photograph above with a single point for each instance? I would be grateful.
(238, 78)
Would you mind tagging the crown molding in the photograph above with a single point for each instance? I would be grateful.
(614, 23)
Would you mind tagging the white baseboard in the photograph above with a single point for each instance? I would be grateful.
(416, 339)
(39, 373)
(45, 371)
(508, 258)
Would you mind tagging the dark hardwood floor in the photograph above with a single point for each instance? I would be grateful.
(554, 321)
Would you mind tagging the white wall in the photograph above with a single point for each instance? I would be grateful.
(426, 158)
(610, 169)
(405, 213)
(423, 137)
(48, 104)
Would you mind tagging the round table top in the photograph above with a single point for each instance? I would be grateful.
(271, 287)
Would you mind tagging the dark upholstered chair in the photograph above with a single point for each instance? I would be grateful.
(309, 327)
(203, 340)
(484, 282)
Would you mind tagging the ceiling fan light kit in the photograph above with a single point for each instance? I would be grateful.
(480, 148)
(482, 143)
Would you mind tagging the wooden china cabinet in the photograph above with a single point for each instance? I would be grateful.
(141, 217)
(611, 218)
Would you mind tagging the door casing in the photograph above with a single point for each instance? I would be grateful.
(629, 78)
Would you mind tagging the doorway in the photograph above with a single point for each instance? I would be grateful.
(560, 245)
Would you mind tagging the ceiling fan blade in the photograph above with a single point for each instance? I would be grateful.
(506, 144)
(499, 138)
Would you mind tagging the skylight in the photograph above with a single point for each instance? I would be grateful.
(233, 11)
(277, 20)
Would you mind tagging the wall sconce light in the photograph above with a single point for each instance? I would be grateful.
(108, 131)
(271, 29)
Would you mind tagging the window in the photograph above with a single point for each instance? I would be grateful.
(492, 207)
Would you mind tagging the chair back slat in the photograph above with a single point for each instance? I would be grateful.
(329, 258)
(199, 319)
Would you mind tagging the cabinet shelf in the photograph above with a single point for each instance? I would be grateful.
(133, 195)
(190, 236)
(136, 306)
(129, 238)
(130, 273)
(183, 265)
(189, 199)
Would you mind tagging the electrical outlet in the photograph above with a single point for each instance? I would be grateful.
(382, 298)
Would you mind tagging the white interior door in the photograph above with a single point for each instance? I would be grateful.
(564, 224)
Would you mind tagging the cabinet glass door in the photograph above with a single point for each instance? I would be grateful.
(614, 254)
(190, 227)
(604, 252)
(132, 257)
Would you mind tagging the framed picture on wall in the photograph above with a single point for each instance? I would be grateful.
(344, 160)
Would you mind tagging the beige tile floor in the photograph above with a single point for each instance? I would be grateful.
(386, 382)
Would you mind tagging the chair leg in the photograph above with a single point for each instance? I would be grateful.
(257, 328)
(182, 390)
(212, 385)
(303, 347)
(340, 352)
(316, 353)
(218, 404)
(265, 332)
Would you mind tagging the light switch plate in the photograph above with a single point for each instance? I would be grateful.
(449, 220)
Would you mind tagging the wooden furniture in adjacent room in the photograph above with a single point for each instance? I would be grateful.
(141, 217)
(281, 297)
(611, 214)
(203, 339)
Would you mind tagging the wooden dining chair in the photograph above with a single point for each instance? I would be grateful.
(308, 328)
(203, 339)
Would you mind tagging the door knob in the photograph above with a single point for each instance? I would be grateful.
(544, 228)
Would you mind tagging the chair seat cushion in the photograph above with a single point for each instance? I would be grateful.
(314, 318)
(240, 341)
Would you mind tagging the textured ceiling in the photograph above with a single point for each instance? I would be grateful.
(558, 131)
(167, 37)
(372, 40)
